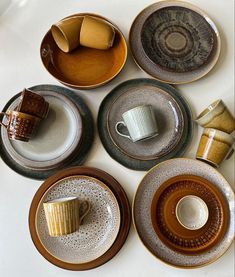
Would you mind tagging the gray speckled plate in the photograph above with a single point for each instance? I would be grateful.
(99, 229)
(58, 136)
(174, 41)
(108, 138)
(142, 211)
(167, 112)
(80, 153)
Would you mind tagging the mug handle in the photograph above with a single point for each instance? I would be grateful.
(85, 212)
(116, 129)
(2, 113)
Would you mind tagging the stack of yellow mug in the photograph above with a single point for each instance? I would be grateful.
(86, 30)
(216, 142)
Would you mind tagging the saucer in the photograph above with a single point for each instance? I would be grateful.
(146, 154)
(152, 182)
(167, 199)
(84, 68)
(174, 41)
(104, 230)
(74, 155)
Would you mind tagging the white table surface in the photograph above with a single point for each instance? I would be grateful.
(22, 26)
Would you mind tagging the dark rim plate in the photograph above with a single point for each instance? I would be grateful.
(116, 153)
(84, 148)
(124, 206)
(155, 49)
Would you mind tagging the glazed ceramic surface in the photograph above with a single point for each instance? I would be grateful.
(142, 211)
(169, 38)
(214, 146)
(165, 219)
(58, 136)
(99, 229)
(140, 122)
(104, 229)
(84, 68)
(71, 111)
(173, 117)
(217, 116)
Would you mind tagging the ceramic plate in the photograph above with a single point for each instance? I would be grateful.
(59, 135)
(104, 230)
(167, 226)
(84, 68)
(77, 109)
(176, 125)
(142, 211)
(169, 119)
(99, 229)
(174, 41)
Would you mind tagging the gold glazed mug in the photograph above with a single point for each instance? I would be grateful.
(66, 33)
(20, 126)
(33, 104)
(217, 116)
(96, 33)
(65, 215)
(215, 146)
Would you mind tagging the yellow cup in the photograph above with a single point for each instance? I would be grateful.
(96, 33)
(64, 215)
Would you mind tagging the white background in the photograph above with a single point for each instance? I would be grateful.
(22, 27)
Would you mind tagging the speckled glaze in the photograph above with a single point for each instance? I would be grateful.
(58, 136)
(158, 90)
(169, 38)
(78, 159)
(124, 207)
(99, 229)
(142, 211)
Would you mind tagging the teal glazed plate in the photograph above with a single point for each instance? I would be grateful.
(175, 123)
(63, 139)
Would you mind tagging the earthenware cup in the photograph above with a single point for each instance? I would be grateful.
(96, 33)
(192, 212)
(66, 33)
(33, 104)
(217, 116)
(65, 215)
(140, 123)
(20, 126)
(215, 146)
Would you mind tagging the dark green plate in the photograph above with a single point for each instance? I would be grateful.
(78, 158)
(120, 156)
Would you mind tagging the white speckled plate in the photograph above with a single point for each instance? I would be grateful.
(142, 211)
(99, 229)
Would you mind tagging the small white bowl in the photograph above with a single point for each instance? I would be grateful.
(192, 212)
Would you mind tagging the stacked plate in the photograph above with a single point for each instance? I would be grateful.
(104, 229)
(63, 139)
(157, 223)
(171, 111)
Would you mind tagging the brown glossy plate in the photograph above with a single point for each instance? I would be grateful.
(122, 200)
(84, 68)
(165, 222)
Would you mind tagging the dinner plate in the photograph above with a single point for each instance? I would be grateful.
(76, 153)
(169, 229)
(174, 41)
(151, 182)
(84, 68)
(105, 228)
(175, 123)
(58, 136)
(167, 112)
(99, 228)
